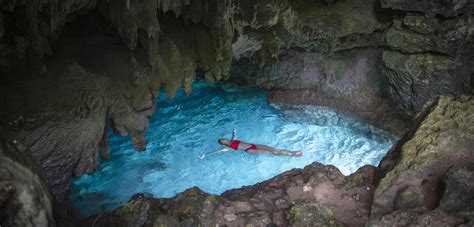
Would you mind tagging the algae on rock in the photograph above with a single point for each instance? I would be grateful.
(444, 139)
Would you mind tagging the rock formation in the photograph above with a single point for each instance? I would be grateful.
(415, 179)
(317, 194)
(24, 195)
(420, 173)
(71, 70)
(423, 181)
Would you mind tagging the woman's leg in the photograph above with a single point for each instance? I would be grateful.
(277, 151)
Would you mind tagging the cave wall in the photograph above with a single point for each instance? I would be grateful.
(25, 198)
(61, 93)
(423, 54)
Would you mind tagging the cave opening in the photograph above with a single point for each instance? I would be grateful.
(185, 127)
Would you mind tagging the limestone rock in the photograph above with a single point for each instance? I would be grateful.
(416, 217)
(64, 125)
(420, 23)
(348, 81)
(417, 79)
(445, 8)
(337, 26)
(24, 195)
(311, 214)
(41, 21)
(444, 138)
(458, 196)
(326, 192)
(447, 36)
(322, 49)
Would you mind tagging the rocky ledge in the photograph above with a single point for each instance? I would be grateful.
(380, 60)
(424, 180)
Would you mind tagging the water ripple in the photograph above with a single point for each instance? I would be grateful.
(187, 126)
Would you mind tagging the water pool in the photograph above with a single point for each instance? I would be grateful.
(187, 126)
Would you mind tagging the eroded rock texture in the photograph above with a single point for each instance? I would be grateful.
(348, 81)
(24, 195)
(429, 56)
(423, 171)
(64, 125)
(61, 94)
(316, 195)
(445, 8)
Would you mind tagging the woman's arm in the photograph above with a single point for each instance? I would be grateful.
(213, 152)
(234, 134)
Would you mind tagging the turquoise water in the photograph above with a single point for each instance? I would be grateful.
(187, 126)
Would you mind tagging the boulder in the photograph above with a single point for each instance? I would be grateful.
(458, 195)
(24, 195)
(416, 79)
(316, 194)
(311, 214)
(413, 172)
(417, 217)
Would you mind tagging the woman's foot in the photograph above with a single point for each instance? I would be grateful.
(298, 154)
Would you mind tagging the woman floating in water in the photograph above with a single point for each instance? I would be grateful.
(250, 148)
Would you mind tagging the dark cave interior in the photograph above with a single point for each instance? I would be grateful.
(72, 70)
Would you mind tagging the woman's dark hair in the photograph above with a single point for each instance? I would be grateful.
(221, 141)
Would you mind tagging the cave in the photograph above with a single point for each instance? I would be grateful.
(350, 113)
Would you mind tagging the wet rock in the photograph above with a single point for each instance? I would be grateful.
(459, 193)
(24, 195)
(326, 192)
(445, 8)
(417, 165)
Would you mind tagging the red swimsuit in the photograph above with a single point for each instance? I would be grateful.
(235, 145)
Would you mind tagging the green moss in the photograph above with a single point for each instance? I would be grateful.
(135, 212)
(420, 24)
(311, 214)
(419, 65)
(340, 67)
(355, 180)
(340, 18)
(409, 42)
(409, 199)
(212, 199)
